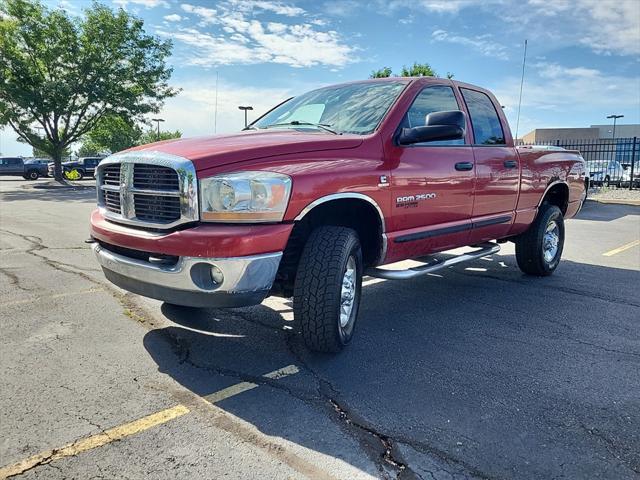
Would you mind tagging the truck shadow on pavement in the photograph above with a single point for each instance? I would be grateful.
(480, 371)
(80, 194)
(602, 212)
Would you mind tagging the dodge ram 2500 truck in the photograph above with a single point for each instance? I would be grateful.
(325, 188)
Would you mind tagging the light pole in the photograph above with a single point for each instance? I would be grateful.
(157, 120)
(245, 113)
(615, 117)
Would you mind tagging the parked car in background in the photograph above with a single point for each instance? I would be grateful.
(605, 172)
(626, 175)
(36, 167)
(11, 166)
(27, 169)
(83, 166)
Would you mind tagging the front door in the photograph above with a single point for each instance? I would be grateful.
(432, 183)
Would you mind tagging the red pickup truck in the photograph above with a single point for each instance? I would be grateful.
(325, 188)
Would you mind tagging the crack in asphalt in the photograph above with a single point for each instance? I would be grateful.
(383, 451)
(14, 279)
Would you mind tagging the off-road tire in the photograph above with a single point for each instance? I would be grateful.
(530, 244)
(318, 286)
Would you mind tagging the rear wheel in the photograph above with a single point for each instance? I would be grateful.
(327, 288)
(539, 249)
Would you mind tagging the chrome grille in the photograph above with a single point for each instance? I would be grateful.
(154, 208)
(112, 201)
(148, 189)
(111, 175)
(155, 177)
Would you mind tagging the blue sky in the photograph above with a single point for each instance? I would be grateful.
(583, 55)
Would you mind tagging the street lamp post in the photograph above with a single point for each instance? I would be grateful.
(615, 117)
(157, 120)
(245, 113)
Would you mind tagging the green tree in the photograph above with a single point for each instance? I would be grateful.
(110, 135)
(384, 72)
(65, 74)
(151, 136)
(418, 70)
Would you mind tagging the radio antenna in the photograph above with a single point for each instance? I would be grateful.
(524, 61)
(215, 113)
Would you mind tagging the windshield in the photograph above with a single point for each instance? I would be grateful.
(356, 108)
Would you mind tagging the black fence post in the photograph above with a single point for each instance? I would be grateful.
(633, 162)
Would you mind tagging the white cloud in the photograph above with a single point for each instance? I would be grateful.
(606, 27)
(480, 43)
(554, 70)
(278, 8)
(144, 3)
(174, 17)
(192, 111)
(207, 15)
(451, 6)
(571, 93)
(236, 35)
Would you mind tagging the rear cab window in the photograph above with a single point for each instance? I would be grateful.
(487, 128)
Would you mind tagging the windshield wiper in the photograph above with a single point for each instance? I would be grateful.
(323, 126)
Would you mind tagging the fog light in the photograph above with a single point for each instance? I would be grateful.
(216, 275)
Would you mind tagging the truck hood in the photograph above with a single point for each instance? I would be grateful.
(218, 150)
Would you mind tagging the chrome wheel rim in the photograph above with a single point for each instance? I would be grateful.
(348, 292)
(550, 241)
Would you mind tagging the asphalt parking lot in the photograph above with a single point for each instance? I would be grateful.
(478, 372)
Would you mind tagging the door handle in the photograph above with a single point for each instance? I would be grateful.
(510, 164)
(464, 166)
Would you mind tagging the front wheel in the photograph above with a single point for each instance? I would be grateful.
(539, 249)
(327, 288)
(33, 174)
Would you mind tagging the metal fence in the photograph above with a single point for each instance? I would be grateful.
(610, 162)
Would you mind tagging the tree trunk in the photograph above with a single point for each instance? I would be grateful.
(57, 164)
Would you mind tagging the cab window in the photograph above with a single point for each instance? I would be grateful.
(437, 98)
(487, 128)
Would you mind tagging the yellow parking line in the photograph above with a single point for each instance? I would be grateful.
(131, 428)
(95, 441)
(245, 386)
(621, 249)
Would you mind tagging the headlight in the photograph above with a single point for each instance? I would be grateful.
(245, 197)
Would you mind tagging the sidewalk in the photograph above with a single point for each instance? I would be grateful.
(621, 196)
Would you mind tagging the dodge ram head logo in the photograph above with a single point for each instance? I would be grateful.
(410, 201)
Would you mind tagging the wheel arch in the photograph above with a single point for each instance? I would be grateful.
(349, 209)
(556, 193)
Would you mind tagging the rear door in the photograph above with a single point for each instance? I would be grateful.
(432, 182)
(497, 168)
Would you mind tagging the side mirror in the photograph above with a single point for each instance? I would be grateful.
(449, 125)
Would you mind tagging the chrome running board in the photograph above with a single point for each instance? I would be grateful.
(485, 249)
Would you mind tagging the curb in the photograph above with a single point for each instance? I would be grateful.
(613, 201)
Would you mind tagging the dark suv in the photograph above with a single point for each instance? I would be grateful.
(27, 169)
(85, 166)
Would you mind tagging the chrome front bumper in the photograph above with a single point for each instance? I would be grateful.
(245, 280)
